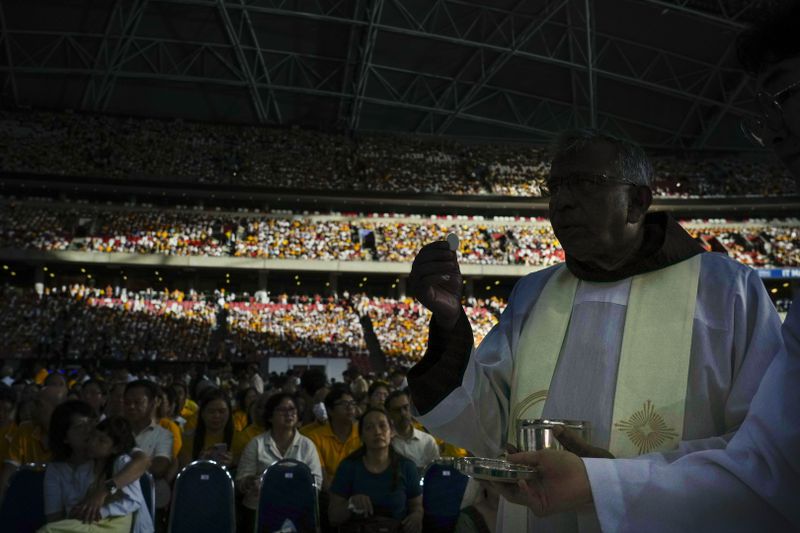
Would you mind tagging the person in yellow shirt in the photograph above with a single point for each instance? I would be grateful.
(214, 437)
(164, 410)
(189, 407)
(244, 399)
(29, 442)
(339, 437)
(8, 404)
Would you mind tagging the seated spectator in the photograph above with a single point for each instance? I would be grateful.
(375, 481)
(339, 437)
(280, 441)
(93, 392)
(214, 438)
(29, 443)
(156, 442)
(8, 405)
(377, 394)
(165, 413)
(93, 479)
(409, 441)
(244, 399)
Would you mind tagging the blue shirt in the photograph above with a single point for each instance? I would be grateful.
(352, 477)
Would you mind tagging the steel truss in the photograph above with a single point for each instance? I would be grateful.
(493, 37)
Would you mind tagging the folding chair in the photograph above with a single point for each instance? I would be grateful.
(442, 490)
(23, 505)
(288, 492)
(203, 500)
(148, 485)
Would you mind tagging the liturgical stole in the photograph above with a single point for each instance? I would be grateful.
(653, 372)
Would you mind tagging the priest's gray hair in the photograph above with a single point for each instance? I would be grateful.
(632, 163)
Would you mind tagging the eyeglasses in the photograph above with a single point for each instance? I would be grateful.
(346, 404)
(580, 183)
(757, 130)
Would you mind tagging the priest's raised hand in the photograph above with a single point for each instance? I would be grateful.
(435, 281)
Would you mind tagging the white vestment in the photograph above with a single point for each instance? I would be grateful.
(735, 336)
(752, 485)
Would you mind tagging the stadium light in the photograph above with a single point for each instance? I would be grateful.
(83, 271)
(45, 269)
(5, 267)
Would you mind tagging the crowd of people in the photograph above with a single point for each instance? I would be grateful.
(74, 322)
(75, 144)
(758, 243)
(160, 419)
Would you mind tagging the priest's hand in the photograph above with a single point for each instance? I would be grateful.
(562, 484)
(435, 281)
(572, 441)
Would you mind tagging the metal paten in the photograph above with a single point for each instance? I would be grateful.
(498, 470)
(537, 434)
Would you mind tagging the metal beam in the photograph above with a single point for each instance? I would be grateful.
(129, 25)
(247, 74)
(6, 39)
(350, 59)
(631, 80)
(262, 64)
(590, 63)
(695, 106)
(720, 114)
(374, 12)
(680, 6)
(477, 54)
(535, 26)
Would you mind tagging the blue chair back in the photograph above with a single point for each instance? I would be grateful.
(23, 505)
(148, 485)
(288, 491)
(203, 500)
(442, 491)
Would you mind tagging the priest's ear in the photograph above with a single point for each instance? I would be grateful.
(639, 199)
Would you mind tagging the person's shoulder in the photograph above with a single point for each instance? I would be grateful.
(721, 265)
(535, 281)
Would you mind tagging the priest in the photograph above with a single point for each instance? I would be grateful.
(754, 483)
(658, 345)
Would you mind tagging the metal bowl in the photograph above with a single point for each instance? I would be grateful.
(493, 469)
(537, 434)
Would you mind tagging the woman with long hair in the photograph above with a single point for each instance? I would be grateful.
(214, 438)
(375, 483)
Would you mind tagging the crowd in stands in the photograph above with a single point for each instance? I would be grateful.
(74, 322)
(85, 419)
(56, 226)
(67, 143)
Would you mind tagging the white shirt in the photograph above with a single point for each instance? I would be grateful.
(420, 448)
(261, 452)
(65, 486)
(735, 336)
(155, 441)
(752, 485)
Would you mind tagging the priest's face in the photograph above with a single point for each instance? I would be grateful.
(590, 206)
(779, 103)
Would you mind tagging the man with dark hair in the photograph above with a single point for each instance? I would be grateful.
(656, 344)
(408, 441)
(140, 411)
(753, 484)
(339, 437)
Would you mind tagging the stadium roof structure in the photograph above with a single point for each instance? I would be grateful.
(663, 72)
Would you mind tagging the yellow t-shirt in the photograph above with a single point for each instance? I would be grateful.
(189, 413)
(177, 438)
(252, 431)
(239, 420)
(5, 440)
(331, 449)
(28, 445)
(41, 376)
(237, 445)
(309, 428)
